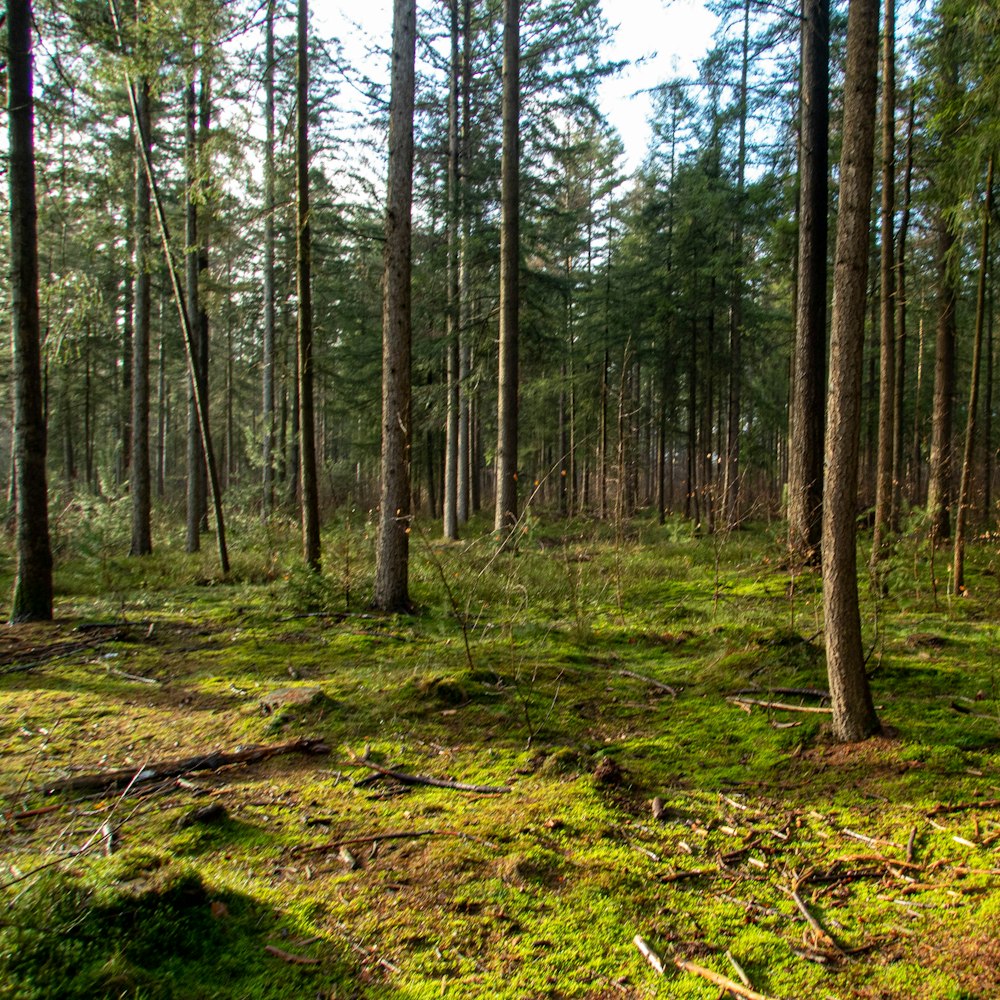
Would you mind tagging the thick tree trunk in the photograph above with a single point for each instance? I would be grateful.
(884, 486)
(505, 516)
(805, 458)
(853, 711)
(392, 554)
(303, 255)
(32, 599)
(139, 476)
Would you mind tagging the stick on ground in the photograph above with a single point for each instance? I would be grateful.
(420, 779)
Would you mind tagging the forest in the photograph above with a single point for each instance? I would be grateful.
(445, 561)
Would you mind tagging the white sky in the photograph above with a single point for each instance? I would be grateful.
(667, 36)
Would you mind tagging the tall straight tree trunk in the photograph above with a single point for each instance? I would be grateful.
(964, 498)
(731, 481)
(191, 273)
(392, 552)
(452, 334)
(887, 300)
(505, 516)
(139, 476)
(853, 710)
(805, 449)
(942, 414)
(303, 271)
(898, 460)
(32, 599)
(267, 374)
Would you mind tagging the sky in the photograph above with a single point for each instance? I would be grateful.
(663, 38)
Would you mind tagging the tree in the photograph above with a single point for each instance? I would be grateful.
(32, 600)
(887, 299)
(854, 715)
(805, 448)
(303, 271)
(505, 516)
(267, 361)
(139, 476)
(392, 555)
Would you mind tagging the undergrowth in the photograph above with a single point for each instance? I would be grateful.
(609, 678)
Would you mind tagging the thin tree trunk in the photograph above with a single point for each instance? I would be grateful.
(32, 598)
(887, 300)
(392, 553)
(898, 460)
(853, 710)
(505, 516)
(191, 268)
(139, 475)
(962, 508)
(303, 256)
(805, 458)
(452, 334)
(267, 374)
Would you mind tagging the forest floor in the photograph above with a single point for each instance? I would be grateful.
(613, 698)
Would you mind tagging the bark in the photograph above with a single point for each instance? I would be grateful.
(452, 348)
(309, 487)
(884, 486)
(192, 291)
(898, 463)
(505, 516)
(139, 475)
(805, 458)
(392, 554)
(942, 414)
(267, 374)
(853, 711)
(964, 498)
(32, 598)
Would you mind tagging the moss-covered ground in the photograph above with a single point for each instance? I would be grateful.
(588, 673)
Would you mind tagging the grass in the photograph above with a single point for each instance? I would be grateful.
(891, 844)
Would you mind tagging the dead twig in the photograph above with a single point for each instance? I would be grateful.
(287, 956)
(647, 952)
(649, 680)
(723, 982)
(746, 703)
(420, 779)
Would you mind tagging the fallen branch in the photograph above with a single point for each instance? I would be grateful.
(109, 780)
(818, 929)
(940, 810)
(420, 779)
(747, 702)
(649, 680)
(723, 982)
(647, 952)
(874, 841)
(287, 956)
(789, 692)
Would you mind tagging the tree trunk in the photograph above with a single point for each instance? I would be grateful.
(853, 711)
(32, 599)
(139, 475)
(303, 256)
(964, 499)
(267, 374)
(884, 486)
(505, 517)
(898, 462)
(452, 332)
(191, 267)
(392, 554)
(805, 458)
